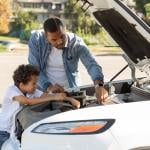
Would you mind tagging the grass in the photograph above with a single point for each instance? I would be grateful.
(104, 49)
(94, 48)
(2, 48)
(6, 38)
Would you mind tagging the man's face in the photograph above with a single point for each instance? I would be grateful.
(57, 39)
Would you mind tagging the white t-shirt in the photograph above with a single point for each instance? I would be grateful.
(55, 68)
(10, 107)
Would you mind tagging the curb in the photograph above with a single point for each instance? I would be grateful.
(109, 54)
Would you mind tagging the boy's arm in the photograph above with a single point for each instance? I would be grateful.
(45, 98)
(73, 101)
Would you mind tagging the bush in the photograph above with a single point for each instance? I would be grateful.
(105, 38)
(24, 24)
(100, 38)
(26, 33)
(89, 39)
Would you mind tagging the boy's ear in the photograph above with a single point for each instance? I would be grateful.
(21, 85)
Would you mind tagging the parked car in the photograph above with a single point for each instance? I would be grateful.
(124, 124)
(10, 46)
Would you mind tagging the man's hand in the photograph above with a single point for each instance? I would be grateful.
(101, 94)
(55, 89)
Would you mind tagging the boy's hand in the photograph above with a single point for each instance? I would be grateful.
(62, 97)
(59, 96)
(74, 102)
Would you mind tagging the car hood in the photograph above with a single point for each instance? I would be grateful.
(129, 121)
(130, 32)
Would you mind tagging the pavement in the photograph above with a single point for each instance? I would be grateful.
(9, 61)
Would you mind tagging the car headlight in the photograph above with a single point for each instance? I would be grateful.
(75, 127)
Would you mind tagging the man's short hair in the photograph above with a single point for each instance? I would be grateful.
(23, 74)
(53, 24)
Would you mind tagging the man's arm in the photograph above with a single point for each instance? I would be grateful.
(93, 68)
(34, 59)
(95, 71)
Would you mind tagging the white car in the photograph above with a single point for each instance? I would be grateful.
(124, 124)
(10, 46)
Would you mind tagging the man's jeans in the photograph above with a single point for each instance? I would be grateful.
(3, 137)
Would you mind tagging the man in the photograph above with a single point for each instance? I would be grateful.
(57, 54)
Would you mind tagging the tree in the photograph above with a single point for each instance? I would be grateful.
(78, 20)
(24, 19)
(147, 7)
(24, 23)
(5, 14)
(140, 5)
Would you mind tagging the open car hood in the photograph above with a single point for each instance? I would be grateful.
(130, 32)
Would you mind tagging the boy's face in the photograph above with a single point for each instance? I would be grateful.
(57, 39)
(31, 86)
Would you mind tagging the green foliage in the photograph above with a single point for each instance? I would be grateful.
(25, 22)
(100, 38)
(89, 38)
(26, 33)
(84, 26)
(79, 20)
(147, 7)
(105, 39)
(7, 38)
(143, 6)
(140, 5)
(2, 48)
(24, 19)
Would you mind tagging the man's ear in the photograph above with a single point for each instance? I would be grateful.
(45, 34)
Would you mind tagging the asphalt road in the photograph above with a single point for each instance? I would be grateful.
(10, 60)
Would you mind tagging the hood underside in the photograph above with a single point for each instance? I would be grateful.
(125, 34)
(130, 32)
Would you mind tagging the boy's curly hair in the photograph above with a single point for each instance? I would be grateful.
(23, 74)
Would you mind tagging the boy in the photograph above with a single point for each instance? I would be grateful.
(24, 92)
